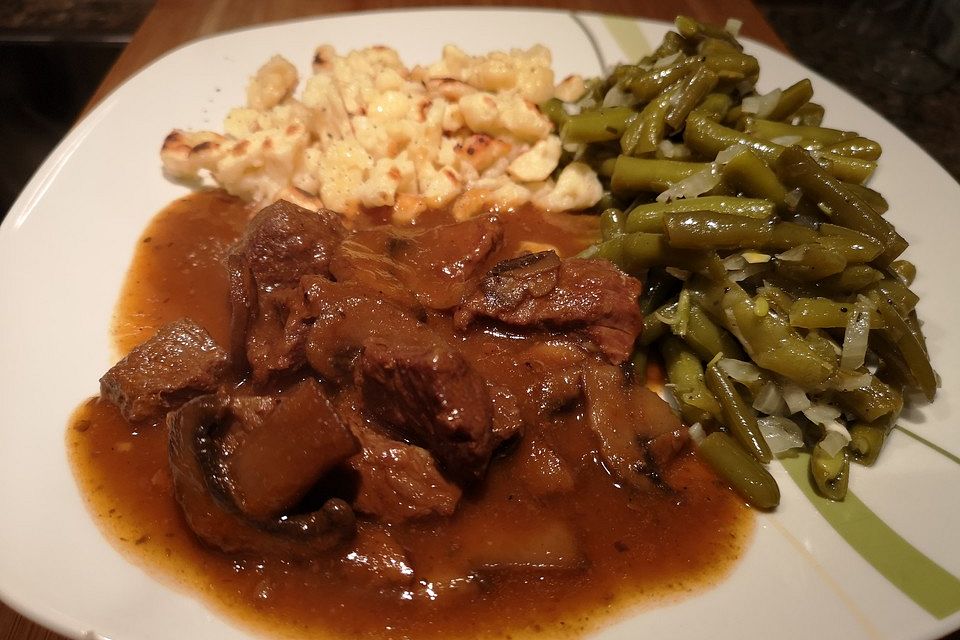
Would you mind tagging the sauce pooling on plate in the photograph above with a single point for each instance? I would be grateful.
(540, 527)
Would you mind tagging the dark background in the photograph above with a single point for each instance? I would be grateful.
(898, 56)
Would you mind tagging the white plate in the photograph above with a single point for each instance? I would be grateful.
(67, 242)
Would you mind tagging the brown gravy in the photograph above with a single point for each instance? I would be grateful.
(637, 551)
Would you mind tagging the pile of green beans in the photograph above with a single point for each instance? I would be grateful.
(773, 253)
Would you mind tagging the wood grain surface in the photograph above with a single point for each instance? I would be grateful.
(175, 22)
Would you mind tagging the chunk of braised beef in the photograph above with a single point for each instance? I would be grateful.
(590, 297)
(345, 314)
(203, 487)
(277, 333)
(436, 267)
(635, 429)
(428, 392)
(397, 481)
(284, 242)
(179, 362)
(444, 263)
(299, 442)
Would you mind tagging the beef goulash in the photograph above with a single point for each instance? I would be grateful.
(427, 430)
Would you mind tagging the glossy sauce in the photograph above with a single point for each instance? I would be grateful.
(636, 549)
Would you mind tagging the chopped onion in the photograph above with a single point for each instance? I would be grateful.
(786, 141)
(851, 380)
(731, 152)
(793, 255)
(755, 257)
(696, 433)
(692, 186)
(835, 438)
(616, 97)
(781, 434)
(743, 372)
(856, 334)
(669, 395)
(792, 199)
(747, 271)
(666, 61)
(795, 398)
(745, 87)
(821, 413)
(761, 105)
(673, 151)
(734, 328)
(679, 274)
(770, 401)
(733, 26)
(734, 262)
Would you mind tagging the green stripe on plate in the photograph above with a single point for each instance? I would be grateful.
(946, 454)
(917, 576)
(629, 38)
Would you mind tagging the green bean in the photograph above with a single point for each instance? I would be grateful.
(825, 347)
(913, 358)
(747, 476)
(672, 43)
(654, 327)
(830, 473)
(898, 294)
(871, 402)
(605, 167)
(876, 201)
(752, 176)
(695, 89)
(709, 230)
(797, 169)
(611, 223)
(659, 287)
(631, 175)
(768, 338)
(707, 339)
(709, 46)
(854, 278)
(787, 235)
(715, 106)
(738, 416)
(598, 126)
(854, 246)
(696, 31)
(685, 372)
(732, 67)
(822, 313)
(847, 169)
(553, 109)
(646, 132)
(814, 263)
(769, 130)
(905, 270)
(780, 299)
(791, 99)
(867, 439)
(857, 147)
(652, 82)
(810, 114)
(709, 138)
(649, 217)
(635, 252)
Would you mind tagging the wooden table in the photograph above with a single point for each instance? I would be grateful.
(174, 22)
